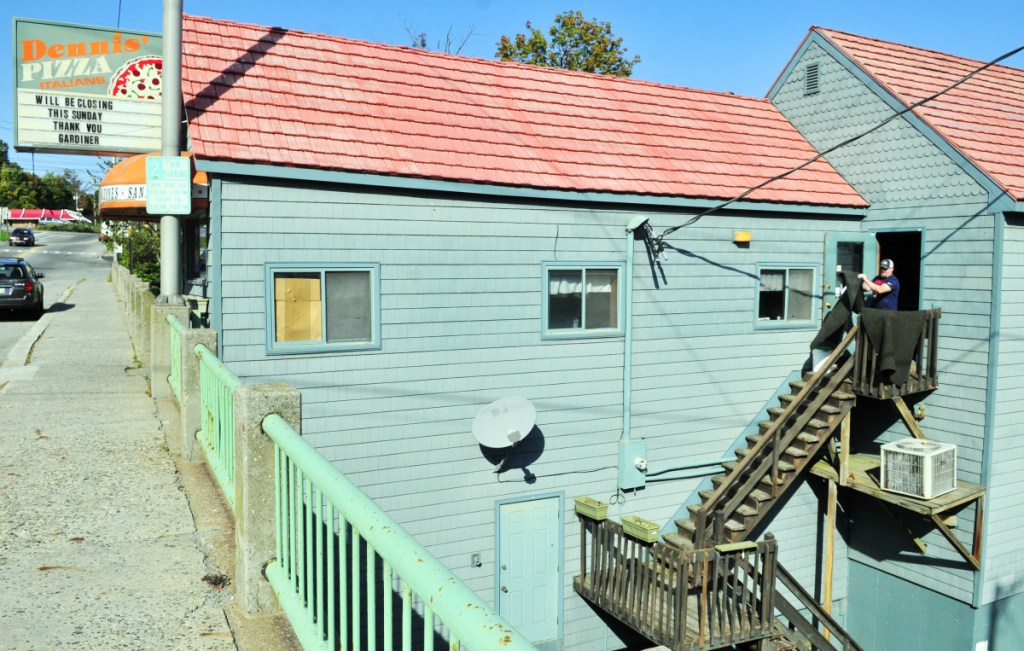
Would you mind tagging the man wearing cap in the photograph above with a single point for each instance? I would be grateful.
(884, 288)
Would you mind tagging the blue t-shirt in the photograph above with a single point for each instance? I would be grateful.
(888, 300)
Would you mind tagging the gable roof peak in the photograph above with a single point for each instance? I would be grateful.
(982, 117)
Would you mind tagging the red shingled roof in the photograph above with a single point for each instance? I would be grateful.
(281, 97)
(983, 118)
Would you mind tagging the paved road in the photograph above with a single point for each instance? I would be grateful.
(66, 259)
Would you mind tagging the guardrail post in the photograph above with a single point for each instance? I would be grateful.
(191, 398)
(160, 349)
(255, 516)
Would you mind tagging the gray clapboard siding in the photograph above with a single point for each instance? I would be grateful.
(460, 317)
(845, 107)
(912, 185)
(1006, 494)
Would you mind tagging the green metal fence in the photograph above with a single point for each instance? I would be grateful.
(349, 577)
(217, 436)
(174, 379)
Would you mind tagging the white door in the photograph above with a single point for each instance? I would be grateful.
(529, 573)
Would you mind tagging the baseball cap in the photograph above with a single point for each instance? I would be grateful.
(886, 264)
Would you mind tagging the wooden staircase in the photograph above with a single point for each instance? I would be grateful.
(708, 585)
(775, 459)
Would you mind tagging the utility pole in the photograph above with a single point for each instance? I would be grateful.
(170, 145)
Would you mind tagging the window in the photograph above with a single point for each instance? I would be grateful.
(582, 301)
(785, 295)
(318, 308)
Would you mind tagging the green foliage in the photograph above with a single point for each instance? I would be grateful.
(575, 44)
(17, 189)
(140, 249)
(74, 227)
(22, 189)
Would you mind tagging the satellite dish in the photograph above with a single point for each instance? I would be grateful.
(504, 422)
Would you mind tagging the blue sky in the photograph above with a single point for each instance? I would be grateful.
(737, 46)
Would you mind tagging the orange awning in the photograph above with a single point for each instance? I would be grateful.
(123, 189)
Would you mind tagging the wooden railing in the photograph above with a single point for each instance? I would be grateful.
(763, 459)
(830, 636)
(698, 599)
(924, 366)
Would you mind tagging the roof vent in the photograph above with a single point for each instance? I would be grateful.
(811, 80)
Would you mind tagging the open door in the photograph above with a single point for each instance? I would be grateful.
(904, 249)
(857, 252)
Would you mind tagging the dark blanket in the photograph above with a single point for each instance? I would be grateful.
(840, 319)
(894, 336)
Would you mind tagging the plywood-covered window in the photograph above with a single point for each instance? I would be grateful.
(322, 308)
(582, 300)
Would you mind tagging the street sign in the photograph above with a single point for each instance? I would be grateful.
(168, 185)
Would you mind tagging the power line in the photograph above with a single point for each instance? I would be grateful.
(668, 231)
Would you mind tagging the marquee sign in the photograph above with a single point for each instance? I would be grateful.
(86, 90)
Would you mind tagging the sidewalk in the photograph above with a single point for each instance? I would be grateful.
(99, 544)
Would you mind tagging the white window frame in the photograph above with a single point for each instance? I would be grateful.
(274, 347)
(582, 332)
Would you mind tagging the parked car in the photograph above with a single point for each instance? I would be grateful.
(21, 288)
(23, 237)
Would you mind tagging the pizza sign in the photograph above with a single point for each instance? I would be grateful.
(86, 90)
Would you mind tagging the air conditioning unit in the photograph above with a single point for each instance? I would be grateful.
(918, 468)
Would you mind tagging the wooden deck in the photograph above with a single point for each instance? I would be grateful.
(693, 600)
(707, 618)
(863, 477)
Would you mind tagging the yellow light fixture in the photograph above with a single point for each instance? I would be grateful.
(741, 237)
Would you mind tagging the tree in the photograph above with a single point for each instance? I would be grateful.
(575, 44)
(22, 189)
(18, 188)
(419, 40)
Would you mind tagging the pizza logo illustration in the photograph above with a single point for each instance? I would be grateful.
(138, 79)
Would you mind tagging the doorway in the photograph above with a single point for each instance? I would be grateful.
(904, 249)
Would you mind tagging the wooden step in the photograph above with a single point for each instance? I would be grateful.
(717, 481)
(791, 451)
(843, 394)
(803, 439)
(679, 541)
(814, 426)
(755, 500)
(825, 412)
(743, 510)
(688, 525)
(784, 466)
(757, 495)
